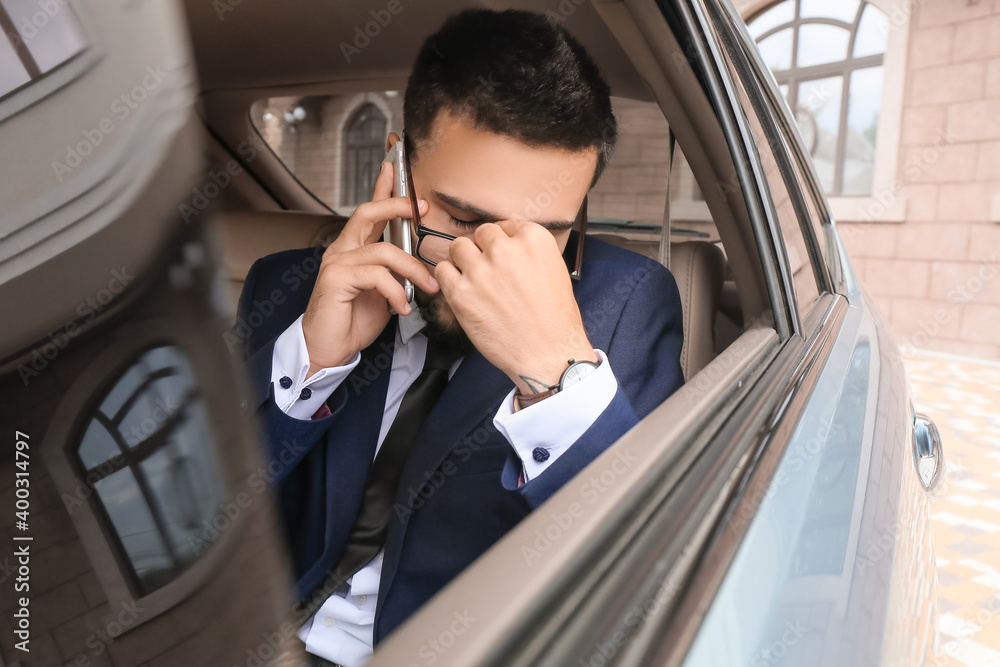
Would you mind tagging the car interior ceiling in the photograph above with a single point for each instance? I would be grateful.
(267, 210)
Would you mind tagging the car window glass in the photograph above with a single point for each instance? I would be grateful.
(334, 144)
(800, 247)
(795, 144)
(815, 217)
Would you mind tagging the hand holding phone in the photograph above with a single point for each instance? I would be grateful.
(357, 286)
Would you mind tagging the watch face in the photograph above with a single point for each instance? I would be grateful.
(577, 372)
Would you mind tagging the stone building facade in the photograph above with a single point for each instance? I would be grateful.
(926, 243)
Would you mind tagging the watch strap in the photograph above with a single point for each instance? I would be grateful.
(524, 401)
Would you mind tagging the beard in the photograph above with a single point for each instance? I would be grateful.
(442, 325)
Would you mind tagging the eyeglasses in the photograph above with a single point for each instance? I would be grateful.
(432, 245)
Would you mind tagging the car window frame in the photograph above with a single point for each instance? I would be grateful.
(763, 109)
(787, 127)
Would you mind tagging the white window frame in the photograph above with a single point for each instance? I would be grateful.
(887, 203)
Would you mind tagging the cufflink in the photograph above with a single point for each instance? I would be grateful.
(540, 454)
(285, 382)
(305, 394)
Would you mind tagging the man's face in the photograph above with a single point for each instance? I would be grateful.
(470, 177)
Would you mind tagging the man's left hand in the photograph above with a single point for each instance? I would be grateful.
(510, 290)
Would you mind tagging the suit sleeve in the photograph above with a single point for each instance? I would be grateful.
(645, 354)
(288, 439)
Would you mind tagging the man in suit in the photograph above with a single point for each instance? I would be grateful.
(508, 126)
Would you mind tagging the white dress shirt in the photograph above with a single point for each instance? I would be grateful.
(342, 630)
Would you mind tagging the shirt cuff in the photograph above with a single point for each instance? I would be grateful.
(302, 396)
(542, 432)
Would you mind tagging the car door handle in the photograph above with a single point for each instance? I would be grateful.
(928, 453)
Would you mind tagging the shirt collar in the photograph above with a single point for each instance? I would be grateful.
(410, 325)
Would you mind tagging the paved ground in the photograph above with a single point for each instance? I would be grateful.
(963, 398)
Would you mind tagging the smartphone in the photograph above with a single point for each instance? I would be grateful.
(397, 231)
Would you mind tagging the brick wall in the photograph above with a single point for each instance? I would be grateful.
(936, 274)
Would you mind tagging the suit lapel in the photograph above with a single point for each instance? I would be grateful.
(471, 396)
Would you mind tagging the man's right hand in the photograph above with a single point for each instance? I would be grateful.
(349, 305)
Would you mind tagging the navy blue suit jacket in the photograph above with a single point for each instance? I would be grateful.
(458, 493)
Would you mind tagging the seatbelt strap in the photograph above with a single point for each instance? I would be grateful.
(664, 254)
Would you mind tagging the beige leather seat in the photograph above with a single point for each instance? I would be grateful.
(250, 235)
(699, 269)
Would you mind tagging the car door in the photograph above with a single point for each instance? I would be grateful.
(836, 566)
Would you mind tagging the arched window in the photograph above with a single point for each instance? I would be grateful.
(364, 148)
(827, 60)
(148, 458)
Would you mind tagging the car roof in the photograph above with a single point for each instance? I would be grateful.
(271, 45)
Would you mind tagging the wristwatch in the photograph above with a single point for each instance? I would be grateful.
(575, 373)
